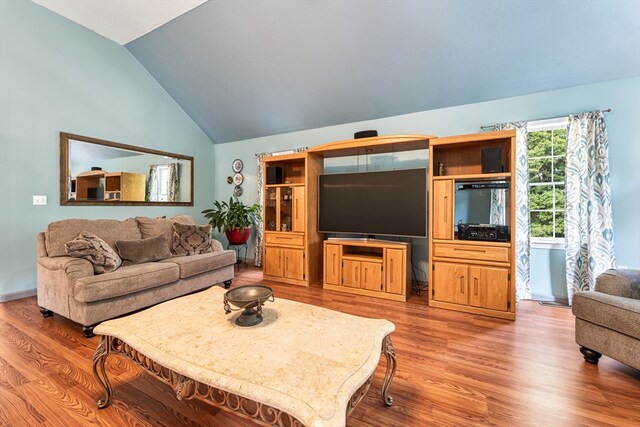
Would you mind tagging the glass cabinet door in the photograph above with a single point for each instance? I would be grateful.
(270, 209)
(286, 203)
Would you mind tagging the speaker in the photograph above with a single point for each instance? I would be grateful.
(502, 233)
(365, 134)
(491, 159)
(274, 175)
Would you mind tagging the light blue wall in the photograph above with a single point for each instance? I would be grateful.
(58, 76)
(623, 125)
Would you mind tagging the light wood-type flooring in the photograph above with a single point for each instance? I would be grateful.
(454, 369)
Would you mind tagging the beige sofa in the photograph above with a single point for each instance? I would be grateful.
(608, 318)
(68, 286)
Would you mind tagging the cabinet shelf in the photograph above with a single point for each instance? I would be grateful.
(475, 176)
(363, 256)
(292, 184)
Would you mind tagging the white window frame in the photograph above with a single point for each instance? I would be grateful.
(536, 126)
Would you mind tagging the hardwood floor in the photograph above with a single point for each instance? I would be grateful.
(453, 369)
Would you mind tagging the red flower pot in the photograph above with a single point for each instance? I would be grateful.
(236, 238)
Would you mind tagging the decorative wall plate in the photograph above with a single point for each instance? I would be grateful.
(237, 191)
(237, 165)
(238, 178)
(229, 180)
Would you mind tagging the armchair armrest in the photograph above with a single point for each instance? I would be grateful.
(619, 282)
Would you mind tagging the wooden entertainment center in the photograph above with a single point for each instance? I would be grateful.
(465, 275)
(470, 275)
(376, 268)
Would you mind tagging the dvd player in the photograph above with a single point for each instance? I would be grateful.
(489, 232)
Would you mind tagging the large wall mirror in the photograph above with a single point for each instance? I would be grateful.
(98, 172)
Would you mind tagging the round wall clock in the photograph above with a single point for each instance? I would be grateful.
(238, 178)
(237, 165)
(237, 191)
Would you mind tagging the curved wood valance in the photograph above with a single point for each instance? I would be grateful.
(373, 145)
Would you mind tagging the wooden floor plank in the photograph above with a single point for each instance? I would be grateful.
(453, 369)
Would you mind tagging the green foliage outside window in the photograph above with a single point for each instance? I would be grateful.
(547, 164)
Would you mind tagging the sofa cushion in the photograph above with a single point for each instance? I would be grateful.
(110, 230)
(196, 264)
(95, 250)
(191, 239)
(143, 250)
(613, 312)
(125, 281)
(151, 227)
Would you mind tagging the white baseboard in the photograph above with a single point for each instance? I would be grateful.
(18, 295)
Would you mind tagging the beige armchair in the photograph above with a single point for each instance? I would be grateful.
(608, 318)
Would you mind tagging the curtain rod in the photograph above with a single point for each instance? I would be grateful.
(608, 110)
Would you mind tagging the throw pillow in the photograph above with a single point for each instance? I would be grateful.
(143, 250)
(191, 239)
(97, 251)
(151, 227)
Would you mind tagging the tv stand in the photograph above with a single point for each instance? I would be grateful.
(376, 268)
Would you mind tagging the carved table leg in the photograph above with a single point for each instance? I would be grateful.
(392, 364)
(100, 374)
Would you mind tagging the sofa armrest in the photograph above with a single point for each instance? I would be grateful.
(41, 245)
(619, 282)
(77, 267)
(216, 246)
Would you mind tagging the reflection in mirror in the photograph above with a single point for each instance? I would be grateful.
(94, 171)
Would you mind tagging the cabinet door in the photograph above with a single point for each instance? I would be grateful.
(450, 282)
(298, 209)
(273, 261)
(371, 276)
(442, 209)
(489, 287)
(271, 217)
(293, 263)
(395, 275)
(332, 264)
(351, 273)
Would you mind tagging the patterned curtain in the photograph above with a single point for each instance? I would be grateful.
(588, 217)
(498, 208)
(260, 196)
(153, 184)
(523, 225)
(173, 187)
(260, 200)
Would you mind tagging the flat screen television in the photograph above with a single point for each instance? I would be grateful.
(388, 203)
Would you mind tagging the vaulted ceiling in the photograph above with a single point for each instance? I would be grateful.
(244, 69)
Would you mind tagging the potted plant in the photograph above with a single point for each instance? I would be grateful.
(234, 218)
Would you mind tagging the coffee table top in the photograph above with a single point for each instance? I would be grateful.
(302, 359)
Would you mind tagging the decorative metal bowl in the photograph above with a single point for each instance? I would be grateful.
(249, 298)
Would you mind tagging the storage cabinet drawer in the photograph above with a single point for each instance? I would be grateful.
(481, 253)
(284, 239)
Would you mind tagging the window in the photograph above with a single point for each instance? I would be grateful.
(163, 183)
(547, 142)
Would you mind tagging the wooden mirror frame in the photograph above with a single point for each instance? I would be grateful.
(64, 172)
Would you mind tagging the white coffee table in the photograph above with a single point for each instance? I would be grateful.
(303, 365)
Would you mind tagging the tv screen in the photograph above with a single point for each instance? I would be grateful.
(391, 203)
